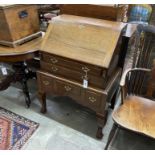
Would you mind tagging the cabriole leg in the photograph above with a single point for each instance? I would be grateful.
(101, 120)
(42, 98)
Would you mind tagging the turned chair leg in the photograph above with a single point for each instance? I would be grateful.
(111, 135)
(42, 98)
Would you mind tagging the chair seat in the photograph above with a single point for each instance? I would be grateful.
(137, 114)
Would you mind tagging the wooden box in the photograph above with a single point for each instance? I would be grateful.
(79, 59)
(106, 12)
(18, 24)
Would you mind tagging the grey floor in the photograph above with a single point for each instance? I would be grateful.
(66, 125)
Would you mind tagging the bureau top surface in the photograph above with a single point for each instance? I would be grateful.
(28, 47)
(84, 39)
(4, 6)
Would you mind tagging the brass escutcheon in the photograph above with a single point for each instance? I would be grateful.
(92, 99)
(54, 69)
(67, 88)
(46, 83)
(84, 77)
(85, 69)
(54, 60)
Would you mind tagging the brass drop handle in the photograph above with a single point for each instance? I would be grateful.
(85, 69)
(92, 99)
(84, 77)
(46, 83)
(54, 69)
(67, 88)
(54, 60)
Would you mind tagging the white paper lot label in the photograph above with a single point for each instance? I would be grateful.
(85, 83)
(4, 71)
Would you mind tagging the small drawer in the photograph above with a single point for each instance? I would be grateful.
(71, 74)
(93, 99)
(64, 88)
(51, 59)
(46, 82)
(74, 65)
(49, 67)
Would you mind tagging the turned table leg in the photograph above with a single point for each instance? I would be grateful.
(101, 120)
(26, 92)
(22, 75)
(42, 98)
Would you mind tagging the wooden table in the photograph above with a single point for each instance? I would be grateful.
(17, 57)
(20, 53)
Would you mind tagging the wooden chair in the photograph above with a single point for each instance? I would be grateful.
(137, 113)
(137, 110)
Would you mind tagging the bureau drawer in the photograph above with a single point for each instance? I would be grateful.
(90, 97)
(45, 82)
(52, 84)
(71, 74)
(66, 89)
(93, 99)
(74, 65)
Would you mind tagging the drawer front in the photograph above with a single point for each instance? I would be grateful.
(93, 99)
(66, 89)
(51, 84)
(46, 83)
(74, 65)
(94, 81)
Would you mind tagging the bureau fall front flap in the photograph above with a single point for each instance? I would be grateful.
(83, 39)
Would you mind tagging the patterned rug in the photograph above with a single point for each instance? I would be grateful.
(15, 130)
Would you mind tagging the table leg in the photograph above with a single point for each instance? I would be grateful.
(26, 92)
(22, 75)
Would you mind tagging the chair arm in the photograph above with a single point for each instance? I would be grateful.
(123, 80)
(124, 75)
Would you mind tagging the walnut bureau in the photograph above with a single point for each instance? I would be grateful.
(79, 58)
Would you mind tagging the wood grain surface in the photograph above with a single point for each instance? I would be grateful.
(85, 39)
(20, 53)
(13, 27)
(137, 114)
(28, 47)
(106, 11)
